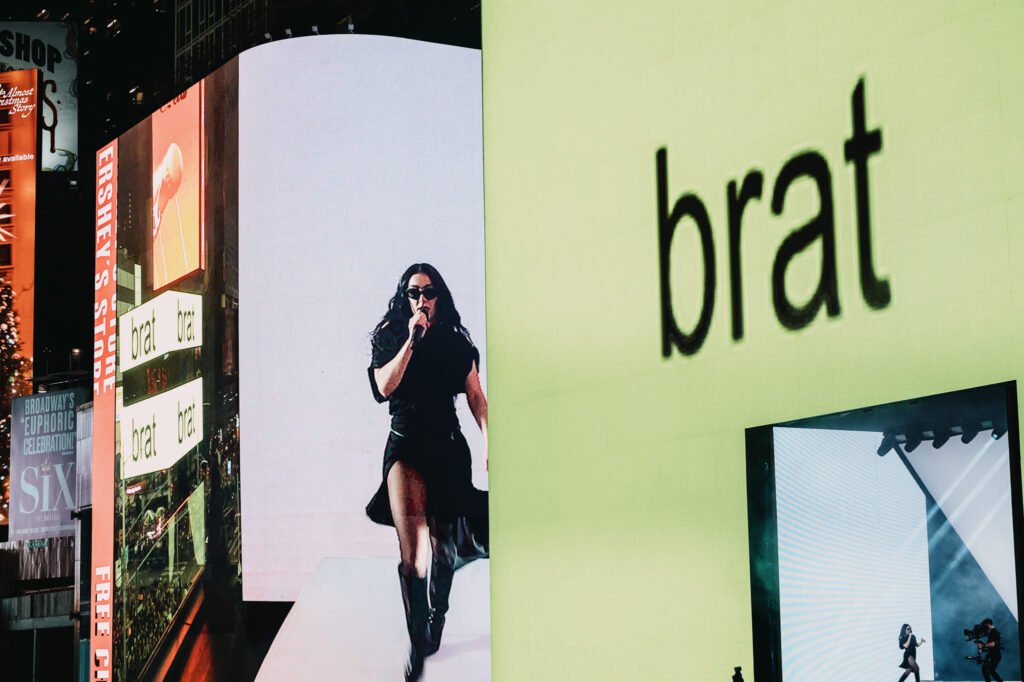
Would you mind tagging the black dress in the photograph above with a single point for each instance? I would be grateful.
(911, 650)
(425, 432)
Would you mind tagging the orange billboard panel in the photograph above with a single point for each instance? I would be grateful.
(19, 140)
(176, 220)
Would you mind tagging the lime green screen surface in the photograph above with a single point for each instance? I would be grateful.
(706, 217)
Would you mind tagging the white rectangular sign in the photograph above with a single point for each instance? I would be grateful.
(171, 321)
(157, 432)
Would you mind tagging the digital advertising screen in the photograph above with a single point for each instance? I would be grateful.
(43, 465)
(51, 48)
(870, 522)
(19, 163)
(165, 479)
(709, 218)
(371, 191)
(308, 261)
(177, 130)
(104, 392)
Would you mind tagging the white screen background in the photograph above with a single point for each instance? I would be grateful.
(358, 155)
(853, 557)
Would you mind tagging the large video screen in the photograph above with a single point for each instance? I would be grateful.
(369, 179)
(888, 533)
(703, 217)
(309, 262)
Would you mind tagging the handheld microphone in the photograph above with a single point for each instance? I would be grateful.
(417, 336)
(419, 331)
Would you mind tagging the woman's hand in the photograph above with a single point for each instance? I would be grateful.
(390, 375)
(419, 319)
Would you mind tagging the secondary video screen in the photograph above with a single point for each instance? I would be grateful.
(882, 541)
(176, 499)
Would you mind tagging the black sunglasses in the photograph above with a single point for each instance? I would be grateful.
(430, 293)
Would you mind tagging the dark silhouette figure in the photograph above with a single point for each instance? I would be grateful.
(909, 643)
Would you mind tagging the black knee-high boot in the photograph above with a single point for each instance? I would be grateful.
(417, 613)
(442, 570)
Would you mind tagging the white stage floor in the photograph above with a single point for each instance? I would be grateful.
(348, 624)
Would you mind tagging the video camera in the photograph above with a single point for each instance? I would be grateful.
(978, 635)
(977, 632)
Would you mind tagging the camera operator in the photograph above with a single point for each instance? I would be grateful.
(993, 650)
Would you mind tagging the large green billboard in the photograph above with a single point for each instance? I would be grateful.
(704, 218)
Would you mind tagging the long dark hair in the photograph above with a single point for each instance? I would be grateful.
(399, 311)
(903, 633)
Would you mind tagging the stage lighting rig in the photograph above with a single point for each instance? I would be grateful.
(912, 437)
(888, 443)
(969, 432)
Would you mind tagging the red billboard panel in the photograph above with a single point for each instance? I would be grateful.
(103, 391)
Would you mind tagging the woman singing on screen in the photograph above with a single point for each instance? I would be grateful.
(909, 644)
(422, 358)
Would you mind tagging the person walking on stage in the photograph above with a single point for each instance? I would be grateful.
(422, 358)
(909, 643)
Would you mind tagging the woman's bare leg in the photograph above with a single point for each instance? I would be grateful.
(408, 495)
